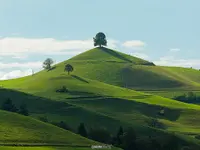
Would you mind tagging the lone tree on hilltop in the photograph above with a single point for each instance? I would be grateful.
(69, 68)
(47, 63)
(100, 39)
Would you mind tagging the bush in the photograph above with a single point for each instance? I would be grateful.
(129, 139)
(9, 106)
(23, 110)
(162, 112)
(62, 90)
(190, 97)
(155, 123)
(62, 125)
(44, 119)
(81, 130)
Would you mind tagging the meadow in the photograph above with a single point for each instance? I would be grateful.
(110, 90)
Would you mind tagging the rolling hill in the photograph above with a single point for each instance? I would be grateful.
(123, 70)
(97, 97)
(17, 129)
(23, 132)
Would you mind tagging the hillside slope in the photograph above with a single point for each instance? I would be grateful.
(15, 128)
(107, 55)
(119, 69)
(100, 104)
(97, 103)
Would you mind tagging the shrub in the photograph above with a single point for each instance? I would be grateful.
(155, 123)
(81, 130)
(162, 112)
(23, 110)
(9, 106)
(62, 125)
(62, 90)
(44, 119)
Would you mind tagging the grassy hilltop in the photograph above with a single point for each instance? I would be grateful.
(119, 69)
(96, 98)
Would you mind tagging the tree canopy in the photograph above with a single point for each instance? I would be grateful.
(81, 130)
(23, 110)
(69, 68)
(100, 39)
(47, 63)
(9, 106)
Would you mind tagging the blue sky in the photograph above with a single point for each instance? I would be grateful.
(165, 32)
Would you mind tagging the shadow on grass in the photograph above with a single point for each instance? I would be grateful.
(52, 68)
(58, 110)
(115, 54)
(34, 104)
(79, 78)
(129, 107)
(80, 94)
(146, 79)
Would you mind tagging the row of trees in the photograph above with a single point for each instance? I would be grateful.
(190, 97)
(9, 106)
(127, 138)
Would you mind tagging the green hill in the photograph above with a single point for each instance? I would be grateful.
(95, 97)
(15, 128)
(136, 72)
(97, 103)
(107, 55)
(123, 70)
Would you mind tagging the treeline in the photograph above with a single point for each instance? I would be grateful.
(9, 106)
(127, 138)
(189, 97)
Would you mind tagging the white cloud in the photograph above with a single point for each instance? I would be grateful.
(174, 50)
(172, 61)
(17, 46)
(25, 69)
(140, 55)
(133, 44)
(37, 64)
(19, 57)
(16, 74)
(20, 48)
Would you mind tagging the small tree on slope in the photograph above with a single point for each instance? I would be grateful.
(69, 68)
(47, 63)
(23, 110)
(9, 106)
(81, 130)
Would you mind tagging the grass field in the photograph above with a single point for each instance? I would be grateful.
(140, 107)
(15, 128)
(48, 148)
(96, 95)
(131, 72)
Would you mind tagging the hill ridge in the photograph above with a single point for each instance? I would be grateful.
(108, 55)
